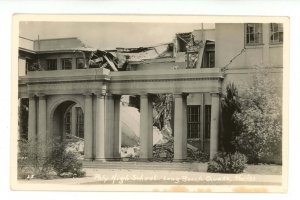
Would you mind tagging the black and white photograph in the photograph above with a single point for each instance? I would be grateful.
(150, 103)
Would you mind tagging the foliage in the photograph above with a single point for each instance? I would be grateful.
(227, 163)
(59, 161)
(230, 105)
(64, 161)
(260, 119)
(31, 161)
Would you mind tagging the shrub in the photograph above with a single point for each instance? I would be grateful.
(227, 163)
(63, 161)
(230, 105)
(260, 119)
(31, 162)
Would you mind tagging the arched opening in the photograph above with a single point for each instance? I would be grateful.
(68, 125)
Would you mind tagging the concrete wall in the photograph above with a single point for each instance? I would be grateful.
(26, 43)
(57, 44)
(208, 34)
(22, 67)
(59, 56)
(230, 41)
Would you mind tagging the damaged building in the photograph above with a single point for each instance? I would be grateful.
(73, 88)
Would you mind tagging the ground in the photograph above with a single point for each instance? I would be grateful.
(254, 175)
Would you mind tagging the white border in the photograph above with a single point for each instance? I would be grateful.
(269, 8)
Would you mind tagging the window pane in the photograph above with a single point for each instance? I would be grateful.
(51, 64)
(80, 63)
(66, 63)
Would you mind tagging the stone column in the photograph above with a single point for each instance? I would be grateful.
(150, 129)
(214, 124)
(109, 127)
(202, 107)
(100, 127)
(32, 121)
(88, 127)
(180, 126)
(42, 137)
(146, 144)
(117, 128)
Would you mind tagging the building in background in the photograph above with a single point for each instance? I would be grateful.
(75, 89)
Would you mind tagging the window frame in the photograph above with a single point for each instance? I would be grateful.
(192, 121)
(248, 35)
(272, 41)
(77, 59)
(63, 63)
(50, 68)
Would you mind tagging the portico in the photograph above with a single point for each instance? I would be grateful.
(98, 92)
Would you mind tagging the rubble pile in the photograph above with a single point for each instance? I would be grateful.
(165, 152)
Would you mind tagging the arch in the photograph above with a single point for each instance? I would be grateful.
(57, 105)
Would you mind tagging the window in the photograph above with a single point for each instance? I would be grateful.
(80, 63)
(276, 33)
(68, 123)
(207, 115)
(253, 34)
(66, 63)
(193, 120)
(79, 123)
(51, 64)
(209, 59)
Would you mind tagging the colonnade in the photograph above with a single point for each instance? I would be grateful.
(102, 130)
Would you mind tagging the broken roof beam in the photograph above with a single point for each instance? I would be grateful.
(112, 65)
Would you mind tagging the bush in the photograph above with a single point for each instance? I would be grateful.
(64, 162)
(230, 105)
(223, 162)
(31, 162)
(260, 137)
(59, 161)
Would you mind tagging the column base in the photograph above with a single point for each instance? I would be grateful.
(145, 160)
(179, 160)
(100, 159)
(112, 159)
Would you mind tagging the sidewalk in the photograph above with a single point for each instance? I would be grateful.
(161, 177)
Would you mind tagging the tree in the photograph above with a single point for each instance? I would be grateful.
(230, 105)
(261, 120)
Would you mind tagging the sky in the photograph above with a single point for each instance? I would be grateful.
(110, 35)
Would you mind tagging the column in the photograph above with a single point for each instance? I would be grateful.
(32, 121)
(88, 127)
(117, 128)
(73, 120)
(180, 126)
(150, 129)
(214, 124)
(145, 138)
(42, 140)
(109, 126)
(266, 45)
(100, 128)
(202, 107)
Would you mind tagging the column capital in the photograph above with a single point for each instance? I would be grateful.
(87, 94)
(41, 96)
(178, 95)
(144, 95)
(100, 95)
(31, 96)
(215, 94)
